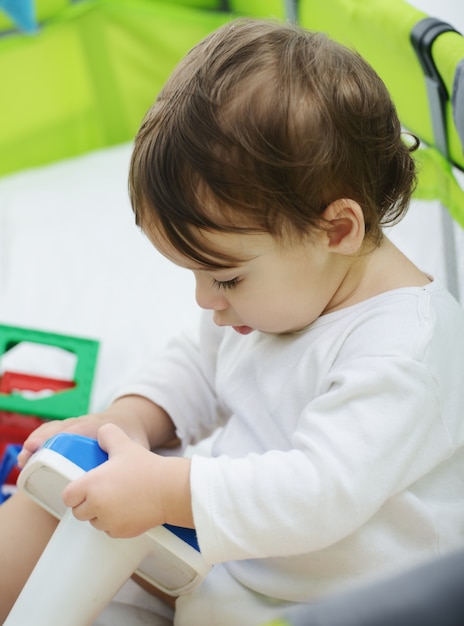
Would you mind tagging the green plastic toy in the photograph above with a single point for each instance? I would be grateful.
(68, 402)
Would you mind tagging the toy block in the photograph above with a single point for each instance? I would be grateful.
(70, 397)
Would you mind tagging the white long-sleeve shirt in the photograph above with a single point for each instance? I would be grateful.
(341, 452)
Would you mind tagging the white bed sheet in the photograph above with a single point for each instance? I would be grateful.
(72, 261)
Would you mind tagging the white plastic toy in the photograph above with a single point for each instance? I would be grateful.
(82, 568)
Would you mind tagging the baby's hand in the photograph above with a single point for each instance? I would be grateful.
(86, 425)
(122, 496)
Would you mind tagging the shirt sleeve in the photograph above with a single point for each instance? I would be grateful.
(181, 380)
(375, 431)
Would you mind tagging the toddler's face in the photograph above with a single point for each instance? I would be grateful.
(273, 288)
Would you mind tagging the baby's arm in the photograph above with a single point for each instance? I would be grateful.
(142, 420)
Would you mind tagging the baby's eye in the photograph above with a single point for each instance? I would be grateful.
(225, 284)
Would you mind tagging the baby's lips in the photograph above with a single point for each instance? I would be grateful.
(243, 330)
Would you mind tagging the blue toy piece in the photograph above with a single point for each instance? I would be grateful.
(7, 464)
(83, 451)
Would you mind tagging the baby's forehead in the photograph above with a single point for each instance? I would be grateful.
(211, 250)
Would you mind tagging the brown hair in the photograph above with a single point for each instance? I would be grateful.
(259, 128)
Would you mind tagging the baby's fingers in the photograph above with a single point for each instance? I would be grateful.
(74, 494)
(37, 438)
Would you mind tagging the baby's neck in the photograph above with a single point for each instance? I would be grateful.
(377, 270)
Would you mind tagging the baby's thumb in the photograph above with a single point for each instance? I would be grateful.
(112, 439)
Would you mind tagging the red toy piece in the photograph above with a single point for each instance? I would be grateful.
(17, 381)
(14, 429)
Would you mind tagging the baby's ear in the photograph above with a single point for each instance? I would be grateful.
(345, 226)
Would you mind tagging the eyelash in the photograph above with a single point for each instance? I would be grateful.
(225, 284)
